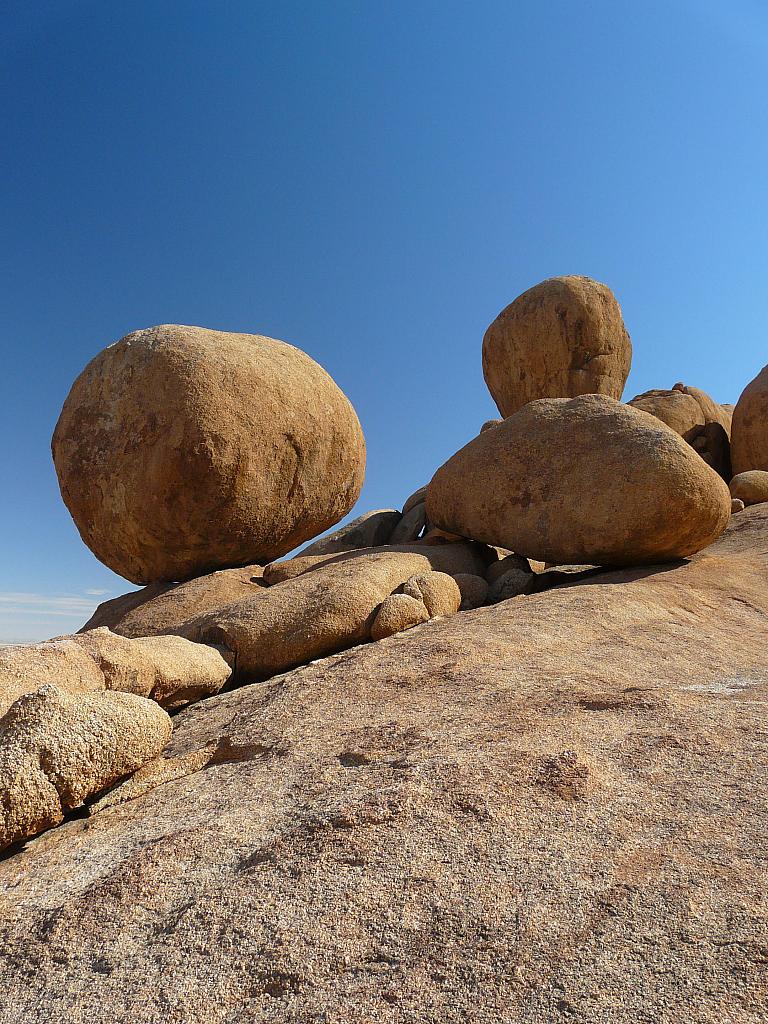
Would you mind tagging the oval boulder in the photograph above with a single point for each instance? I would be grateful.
(582, 481)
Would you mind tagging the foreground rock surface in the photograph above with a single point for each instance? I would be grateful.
(562, 338)
(59, 748)
(549, 810)
(180, 450)
(582, 481)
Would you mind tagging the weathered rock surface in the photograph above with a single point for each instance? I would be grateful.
(162, 607)
(562, 338)
(417, 498)
(180, 450)
(367, 531)
(58, 748)
(586, 480)
(328, 608)
(751, 487)
(168, 669)
(512, 583)
(749, 428)
(62, 662)
(550, 810)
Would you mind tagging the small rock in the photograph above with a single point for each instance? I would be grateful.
(397, 613)
(437, 590)
(737, 505)
(751, 487)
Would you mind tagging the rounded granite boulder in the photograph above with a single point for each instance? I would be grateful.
(562, 338)
(751, 487)
(181, 450)
(582, 481)
(749, 428)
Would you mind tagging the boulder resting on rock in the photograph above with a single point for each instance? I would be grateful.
(550, 810)
(562, 338)
(397, 613)
(586, 480)
(749, 427)
(180, 450)
(751, 487)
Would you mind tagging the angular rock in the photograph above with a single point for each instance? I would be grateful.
(749, 428)
(58, 748)
(438, 591)
(180, 450)
(327, 609)
(367, 531)
(397, 613)
(410, 526)
(417, 498)
(551, 810)
(168, 669)
(586, 480)
(162, 607)
(562, 338)
(751, 487)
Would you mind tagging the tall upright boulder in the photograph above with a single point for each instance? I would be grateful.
(582, 481)
(749, 428)
(181, 450)
(562, 338)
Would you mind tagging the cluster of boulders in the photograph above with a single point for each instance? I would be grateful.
(191, 460)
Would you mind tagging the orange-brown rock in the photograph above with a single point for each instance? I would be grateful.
(562, 338)
(751, 487)
(678, 410)
(690, 412)
(586, 480)
(551, 810)
(749, 428)
(180, 450)
(162, 607)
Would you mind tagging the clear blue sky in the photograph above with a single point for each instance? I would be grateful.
(372, 182)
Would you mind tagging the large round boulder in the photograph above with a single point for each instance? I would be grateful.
(181, 450)
(562, 338)
(749, 428)
(581, 481)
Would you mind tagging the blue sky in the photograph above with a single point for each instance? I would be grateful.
(372, 182)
